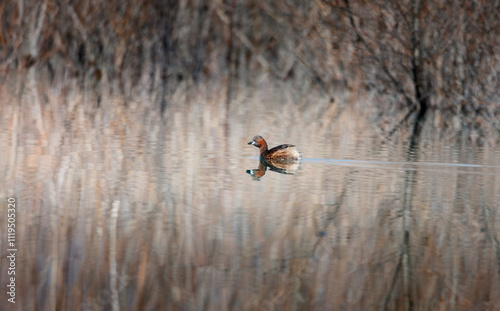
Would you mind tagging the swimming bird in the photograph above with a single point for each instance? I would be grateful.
(282, 153)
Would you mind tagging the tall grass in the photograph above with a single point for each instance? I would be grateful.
(412, 56)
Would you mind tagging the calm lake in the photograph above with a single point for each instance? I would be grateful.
(118, 208)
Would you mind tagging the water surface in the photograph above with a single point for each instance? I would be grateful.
(121, 209)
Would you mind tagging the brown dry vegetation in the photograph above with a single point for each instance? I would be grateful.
(406, 57)
(124, 207)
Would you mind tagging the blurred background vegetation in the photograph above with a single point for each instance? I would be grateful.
(125, 126)
(408, 60)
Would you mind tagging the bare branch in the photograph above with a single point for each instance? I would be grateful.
(37, 30)
(410, 102)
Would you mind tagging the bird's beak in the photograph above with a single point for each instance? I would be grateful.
(251, 143)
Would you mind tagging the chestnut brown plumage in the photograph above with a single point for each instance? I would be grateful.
(284, 152)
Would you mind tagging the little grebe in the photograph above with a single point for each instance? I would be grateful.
(281, 153)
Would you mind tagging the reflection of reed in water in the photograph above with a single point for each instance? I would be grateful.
(280, 166)
(173, 243)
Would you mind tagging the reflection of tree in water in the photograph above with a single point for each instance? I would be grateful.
(299, 269)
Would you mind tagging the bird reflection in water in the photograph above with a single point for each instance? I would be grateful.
(280, 166)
